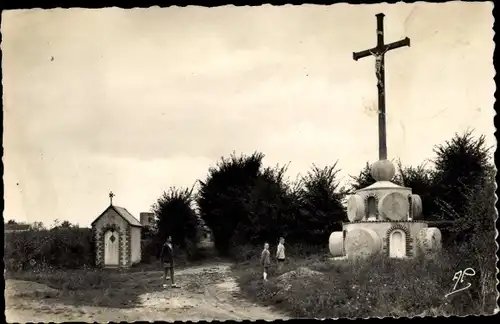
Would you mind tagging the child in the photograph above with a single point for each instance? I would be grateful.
(280, 253)
(265, 260)
(167, 261)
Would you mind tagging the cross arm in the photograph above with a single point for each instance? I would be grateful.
(357, 55)
(398, 44)
(380, 50)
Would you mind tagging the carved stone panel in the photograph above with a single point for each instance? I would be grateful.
(394, 207)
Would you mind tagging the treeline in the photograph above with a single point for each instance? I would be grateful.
(244, 202)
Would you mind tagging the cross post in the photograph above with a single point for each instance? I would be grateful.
(111, 195)
(379, 53)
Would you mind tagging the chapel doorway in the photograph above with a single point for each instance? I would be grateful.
(397, 245)
(111, 257)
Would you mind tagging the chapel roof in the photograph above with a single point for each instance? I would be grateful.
(382, 185)
(124, 213)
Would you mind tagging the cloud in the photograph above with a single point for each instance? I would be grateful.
(138, 100)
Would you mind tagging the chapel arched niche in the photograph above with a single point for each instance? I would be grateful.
(371, 207)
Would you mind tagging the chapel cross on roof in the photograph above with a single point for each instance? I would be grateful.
(111, 195)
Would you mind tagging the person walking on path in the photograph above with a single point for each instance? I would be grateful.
(280, 253)
(265, 260)
(167, 261)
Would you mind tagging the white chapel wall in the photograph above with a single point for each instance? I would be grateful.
(136, 244)
(112, 218)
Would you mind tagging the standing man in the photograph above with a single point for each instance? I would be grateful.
(265, 260)
(167, 261)
(280, 253)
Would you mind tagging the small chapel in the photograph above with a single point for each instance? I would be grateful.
(384, 217)
(117, 236)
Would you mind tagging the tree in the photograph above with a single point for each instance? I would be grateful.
(269, 209)
(363, 179)
(176, 217)
(66, 224)
(321, 208)
(421, 180)
(461, 165)
(37, 226)
(223, 197)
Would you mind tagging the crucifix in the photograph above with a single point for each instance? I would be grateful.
(111, 195)
(379, 52)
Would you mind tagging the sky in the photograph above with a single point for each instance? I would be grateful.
(135, 101)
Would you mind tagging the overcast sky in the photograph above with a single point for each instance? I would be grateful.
(136, 101)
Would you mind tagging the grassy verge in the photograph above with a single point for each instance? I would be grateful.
(313, 285)
(117, 288)
(106, 288)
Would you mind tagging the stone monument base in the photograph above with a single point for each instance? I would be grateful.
(403, 239)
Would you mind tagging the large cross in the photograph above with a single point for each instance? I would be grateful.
(379, 52)
(111, 195)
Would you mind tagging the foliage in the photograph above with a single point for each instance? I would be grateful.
(223, 196)
(67, 224)
(460, 165)
(37, 226)
(363, 179)
(244, 203)
(148, 232)
(421, 180)
(68, 248)
(478, 211)
(151, 248)
(176, 217)
(267, 209)
(320, 204)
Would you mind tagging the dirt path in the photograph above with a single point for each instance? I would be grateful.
(195, 301)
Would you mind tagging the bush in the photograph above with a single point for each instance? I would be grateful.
(176, 217)
(239, 202)
(66, 248)
(242, 202)
(269, 209)
(190, 253)
(150, 250)
(320, 207)
(363, 179)
(461, 164)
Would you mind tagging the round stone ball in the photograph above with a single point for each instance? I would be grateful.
(383, 170)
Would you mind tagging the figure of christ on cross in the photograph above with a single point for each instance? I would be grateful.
(379, 53)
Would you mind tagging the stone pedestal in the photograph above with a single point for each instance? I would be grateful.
(384, 218)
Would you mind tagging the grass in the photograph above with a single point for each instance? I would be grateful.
(377, 287)
(116, 288)
(106, 288)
